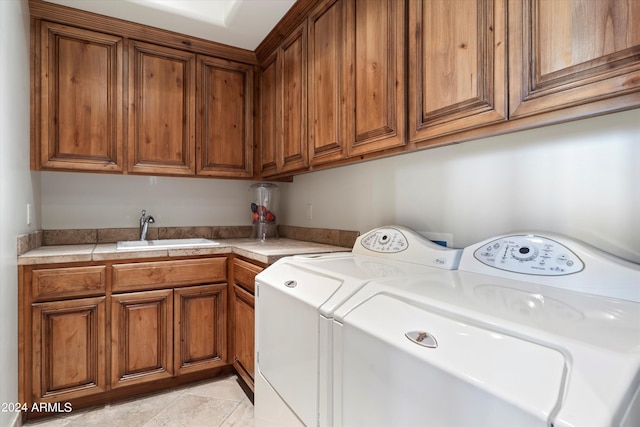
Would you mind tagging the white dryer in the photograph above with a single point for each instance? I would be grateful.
(295, 301)
(530, 330)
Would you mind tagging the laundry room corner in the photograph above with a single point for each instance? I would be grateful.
(575, 178)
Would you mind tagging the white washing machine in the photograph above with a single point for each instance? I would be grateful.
(295, 301)
(530, 331)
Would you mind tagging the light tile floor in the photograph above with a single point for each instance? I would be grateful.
(220, 402)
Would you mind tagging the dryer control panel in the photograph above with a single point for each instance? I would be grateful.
(529, 254)
(397, 243)
(385, 240)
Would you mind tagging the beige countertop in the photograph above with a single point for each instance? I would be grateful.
(266, 252)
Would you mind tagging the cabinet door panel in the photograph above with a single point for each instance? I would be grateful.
(375, 58)
(200, 333)
(269, 116)
(568, 52)
(161, 116)
(68, 349)
(225, 126)
(293, 106)
(141, 337)
(244, 332)
(327, 126)
(81, 100)
(457, 66)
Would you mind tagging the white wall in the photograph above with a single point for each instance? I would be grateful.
(82, 200)
(18, 186)
(580, 178)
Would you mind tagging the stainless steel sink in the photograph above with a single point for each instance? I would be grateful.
(165, 244)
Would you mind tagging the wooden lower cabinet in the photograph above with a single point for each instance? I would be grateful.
(243, 330)
(141, 337)
(200, 327)
(93, 332)
(68, 349)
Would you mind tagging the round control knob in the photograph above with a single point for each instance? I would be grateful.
(524, 253)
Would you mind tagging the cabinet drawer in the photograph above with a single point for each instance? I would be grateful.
(244, 274)
(161, 274)
(68, 282)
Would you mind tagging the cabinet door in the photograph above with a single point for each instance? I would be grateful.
(244, 333)
(269, 116)
(376, 45)
(328, 72)
(243, 329)
(564, 53)
(200, 330)
(457, 65)
(81, 114)
(292, 97)
(141, 337)
(224, 125)
(161, 138)
(68, 349)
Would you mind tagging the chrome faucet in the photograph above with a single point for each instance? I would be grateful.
(144, 224)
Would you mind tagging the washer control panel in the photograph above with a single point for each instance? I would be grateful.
(529, 254)
(387, 240)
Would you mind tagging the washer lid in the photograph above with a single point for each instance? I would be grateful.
(473, 376)
(599, 336)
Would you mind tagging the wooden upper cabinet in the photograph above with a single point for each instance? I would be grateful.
(457, 66)
(565, 53)
(224, 124)
(80, 101)
(375, 66)
(161, 137)
(327, 90)
(269, 116)
(283, 107)
(292, 102)
(356, 78)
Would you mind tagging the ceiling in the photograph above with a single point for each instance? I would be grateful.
(240, 23)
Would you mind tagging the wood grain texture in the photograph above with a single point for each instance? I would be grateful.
(269, 116)
(376, 60)
(81, 114)
(224, 125)
(79, 18)
(292, 109)
(243, 318)
(68, 282)
(244, 274)
(163, 274)
(68, 358)
(568, 52)
(327, 83)
(200, 328)
(161, 110)
(141, 337)
(457, 66)
(244, 332)
(296, 15)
